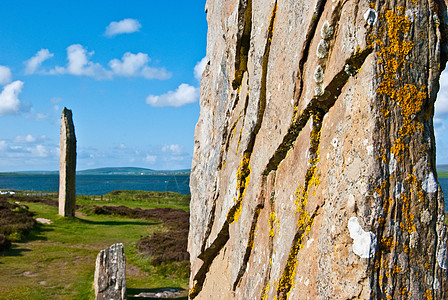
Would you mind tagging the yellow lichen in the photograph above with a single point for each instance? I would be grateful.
(272, 222)
(243, 178)
(265, 292)
(305, 220)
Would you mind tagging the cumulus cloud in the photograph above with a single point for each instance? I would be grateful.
(150, 158)
(40, 151)
(199, 68)
(29, 139)
(9, 99)
(123, 26)
(174, 148)
(3, 145)
(184, 94)
(79, 64)
(441, 108)
(5, 75)
(132, 65)
(36, 61)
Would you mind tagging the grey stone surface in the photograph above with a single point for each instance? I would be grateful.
(110, 274)
(67, 166)
(285, 156)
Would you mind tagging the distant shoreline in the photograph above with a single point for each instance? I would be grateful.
(108, 171)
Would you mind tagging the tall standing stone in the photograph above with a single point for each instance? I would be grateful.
(67, 165)
(314, 172)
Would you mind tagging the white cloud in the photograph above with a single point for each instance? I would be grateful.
(441, 108)
(56, 100)
(183, 95)
(36, 61)
(132, 65)
(150, 158)
(29, 139)
(79, 64)
(25, 139)
(9, 99)
(3, 145)
(40, 151)
(5, 75)
(174, 148)
(123, 26)
(199, 68)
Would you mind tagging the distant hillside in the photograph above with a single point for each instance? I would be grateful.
(131, 171)
(111, 171)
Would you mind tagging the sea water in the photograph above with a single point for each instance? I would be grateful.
(99, 184)
(103, 184)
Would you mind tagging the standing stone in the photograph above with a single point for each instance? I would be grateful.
(110, 274)
(67, 165)
(314, 172)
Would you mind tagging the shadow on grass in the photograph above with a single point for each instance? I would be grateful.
(133, 292)
(37, 234)
(109, 223)
(14, 251)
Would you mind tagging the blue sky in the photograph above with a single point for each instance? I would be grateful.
(129, 70)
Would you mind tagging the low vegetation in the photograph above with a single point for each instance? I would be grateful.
(57, 260)
(16, 222)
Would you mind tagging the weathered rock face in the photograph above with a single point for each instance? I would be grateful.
(110, 274)
(314, 168)
(67, 165)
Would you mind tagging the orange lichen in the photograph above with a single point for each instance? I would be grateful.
(388, 243)
(428, 295)
(407, 223)
(393, 57)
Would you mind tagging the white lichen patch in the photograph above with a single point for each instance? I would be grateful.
(392, 164)
(349, 70)
(351, 201)
(322, 49)
(319, 74)
(436, 284)
(411, 14)
(307, 282)
(425, 217)
(364, 243)
(441, 257)
(371, 16)
(413, 241)
(335, 142)
(430, 184)
(327, 31)
(369, 150)
(309, 242)
(319, 90)
(398, 190)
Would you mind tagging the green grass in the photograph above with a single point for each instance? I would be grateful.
(142, 199)
(57, 261)
(442, 174)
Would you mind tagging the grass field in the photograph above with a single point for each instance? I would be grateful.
(57, 260)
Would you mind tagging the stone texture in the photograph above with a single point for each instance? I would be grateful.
(313, 174)
(110, 274)
(67, 165)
